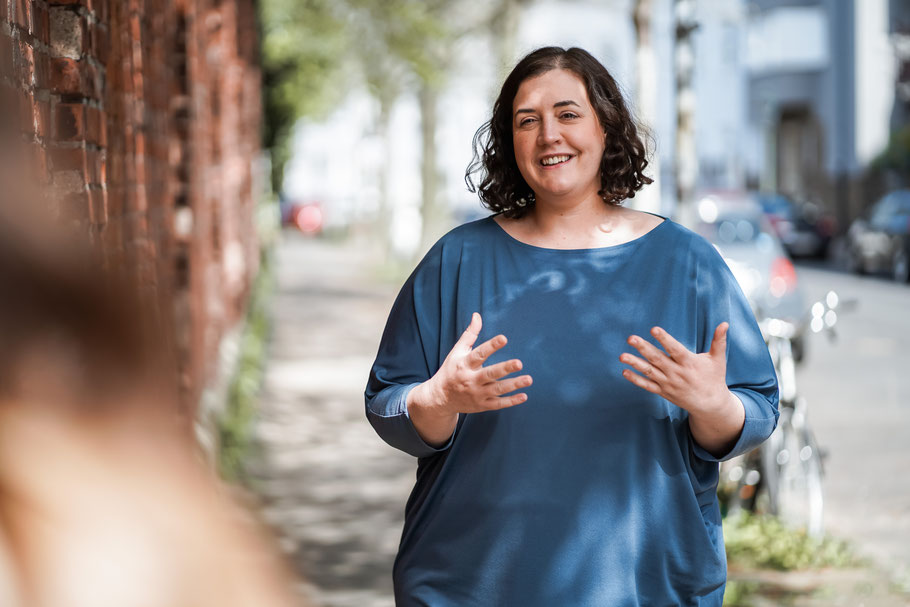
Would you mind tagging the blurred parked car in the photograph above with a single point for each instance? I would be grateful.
(880, 240)
(735, 224)
(804, 228)
(307, 217)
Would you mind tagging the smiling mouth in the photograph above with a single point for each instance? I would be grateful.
(555, 160)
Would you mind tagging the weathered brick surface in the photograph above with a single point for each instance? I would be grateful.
(135, 112)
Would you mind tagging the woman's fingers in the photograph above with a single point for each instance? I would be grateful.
(642, 366)
(642, 382)
(470, 334)
(675, 349)
(649, 351)
(501, 402)
(494, 372)
(484, 350)
(513, 383)
(719, 343)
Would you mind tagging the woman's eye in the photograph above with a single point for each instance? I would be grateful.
(568, 115)
(525, 121)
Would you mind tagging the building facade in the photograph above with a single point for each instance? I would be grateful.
(143, 119)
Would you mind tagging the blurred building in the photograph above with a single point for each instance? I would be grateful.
(793, 96)
(821, 93)
(143, 118)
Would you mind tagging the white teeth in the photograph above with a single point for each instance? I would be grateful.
(554, 160)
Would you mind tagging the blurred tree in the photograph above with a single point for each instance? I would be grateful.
(314, 49)
(646, 97)
(304, 44)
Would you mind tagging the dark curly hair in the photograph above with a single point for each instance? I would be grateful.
(503, 189)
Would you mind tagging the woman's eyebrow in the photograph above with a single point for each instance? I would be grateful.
(557, 104)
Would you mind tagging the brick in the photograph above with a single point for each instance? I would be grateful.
(68, 159)
(93, 83)
(22, 13)
(25, 72)
(69, 122)
(67, 32)
(26, 116)
(95, 128)
(41, 22)
(98, 202)
(42, 110)
(101, 44)
(66, 76)
(42, 70)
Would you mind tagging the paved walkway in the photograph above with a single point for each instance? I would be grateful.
(334, 490)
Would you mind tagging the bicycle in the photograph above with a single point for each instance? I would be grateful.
(783, 476)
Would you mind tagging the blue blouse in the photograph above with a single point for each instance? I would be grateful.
(593, 491)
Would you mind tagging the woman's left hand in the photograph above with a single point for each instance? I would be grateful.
(695, 382)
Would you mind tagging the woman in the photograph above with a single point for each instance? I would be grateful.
(595, 483)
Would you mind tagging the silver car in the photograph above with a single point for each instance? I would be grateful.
(735, 224)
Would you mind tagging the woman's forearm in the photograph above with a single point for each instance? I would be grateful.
(717, 430)
(426, 410)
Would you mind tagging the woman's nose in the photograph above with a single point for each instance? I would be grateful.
(549, 131)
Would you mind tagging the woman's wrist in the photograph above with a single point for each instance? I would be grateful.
(429, 415)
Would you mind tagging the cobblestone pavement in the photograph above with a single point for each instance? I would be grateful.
(333, 489)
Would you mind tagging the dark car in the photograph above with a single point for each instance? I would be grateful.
(804, 228)
(880, 240)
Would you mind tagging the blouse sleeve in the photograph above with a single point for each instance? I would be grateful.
(750, 372)
(407, 356)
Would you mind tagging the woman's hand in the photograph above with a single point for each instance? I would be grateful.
(463, 385)
(694, 382)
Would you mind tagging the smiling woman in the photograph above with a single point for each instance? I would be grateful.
(593, 100)
(594, 483)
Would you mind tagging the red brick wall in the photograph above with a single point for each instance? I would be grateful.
(143, 117)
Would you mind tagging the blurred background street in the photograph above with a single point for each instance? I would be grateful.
(264, 174)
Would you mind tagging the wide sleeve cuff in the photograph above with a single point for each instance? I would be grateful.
(761, 419)
(388, 414)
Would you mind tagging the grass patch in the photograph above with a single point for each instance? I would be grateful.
(762, 541)
(235, 426)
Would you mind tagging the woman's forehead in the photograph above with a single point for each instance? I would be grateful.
(551, 87)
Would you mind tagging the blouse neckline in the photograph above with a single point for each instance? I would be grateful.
(616, 247)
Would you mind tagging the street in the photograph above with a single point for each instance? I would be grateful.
(858, 388)
(336, 492)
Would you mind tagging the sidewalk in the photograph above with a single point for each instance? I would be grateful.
(332, 488)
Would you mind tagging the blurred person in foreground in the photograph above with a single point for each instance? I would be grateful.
(104, 499)
(595, 484)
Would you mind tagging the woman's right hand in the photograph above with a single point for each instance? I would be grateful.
(463, 385)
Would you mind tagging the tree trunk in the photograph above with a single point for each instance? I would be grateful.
(431, 212)
(648, 199)
(384, 221)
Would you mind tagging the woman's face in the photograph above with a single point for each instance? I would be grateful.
(558, 140)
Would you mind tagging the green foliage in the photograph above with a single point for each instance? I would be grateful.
(738, 593)
(763, 541)
(896, 156)
(235, 426)
(315, 51)
(303, 52)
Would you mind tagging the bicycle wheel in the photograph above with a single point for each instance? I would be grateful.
(797, 497)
